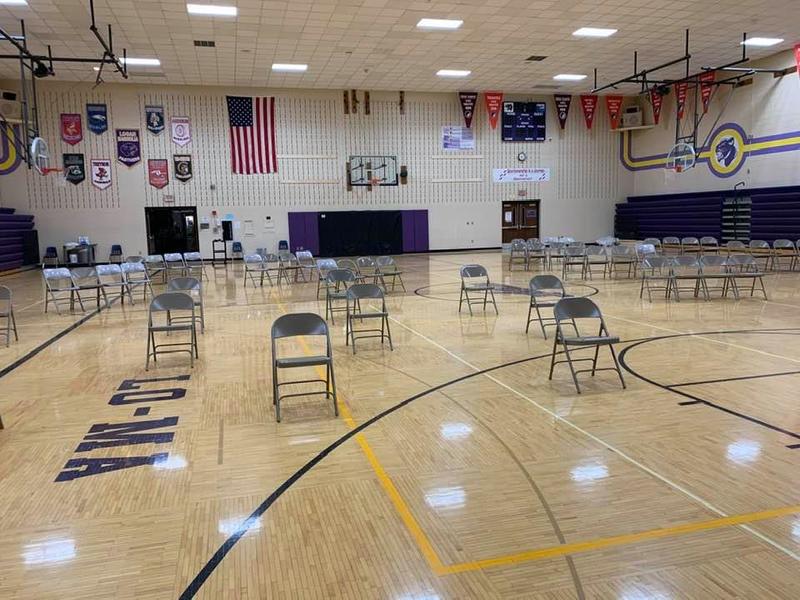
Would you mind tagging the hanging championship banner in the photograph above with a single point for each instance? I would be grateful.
(129, 149)
(181, 130)
(563, 102)
(494, 101)
(74, 168)
(182, 165)
(614, 108)
(706, 88)
(154, 118)
(97, 118)
(101, 173)
(589, 104)
(158, 172)
(468, 101)
(71, 129)
(681, 90)
(656, 100)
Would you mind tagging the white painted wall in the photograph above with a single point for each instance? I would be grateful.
(769, 106)
(456, 187)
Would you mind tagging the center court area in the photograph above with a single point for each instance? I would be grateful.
(469, 475)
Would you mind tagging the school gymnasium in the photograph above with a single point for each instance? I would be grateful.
(385, 300)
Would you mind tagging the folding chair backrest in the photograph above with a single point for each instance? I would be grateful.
(533, 241)
(759, 245)
(687, 262)
(109, 270)
(173, 257)
(5, 293)
(591, 251)
(576, 251)
(188, 284)
(296, 324)
(154, 259)
(192, 256)
(735, 245)
(518, 246)
(57, 274)
(83, 274)
(708, 240)
(253, 259)
(783, 245)
(340, 276)
(607, 241)
(714, 260)
(469, 271)
(346, 263)
(385, 261)
(363, 291)
(658, 262)
(171, 301)
(287, 257)
(654, 241)
(365, 262)
(325, 264)
(622, 251)
(746, 261)
(541, 283)
(568, 309)
(134, 258)
(690, 241)
(269, 257)
(645, 249)
(133, 267)
(672, 240)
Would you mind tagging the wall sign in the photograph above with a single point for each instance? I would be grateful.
(74, 168)
(97, 118)
(181, 130)
(158, 172)
(182, 165)
(154, 118)
(520, 174)
(456, 137)
(129, 149)
(71, 129)
(101, 173)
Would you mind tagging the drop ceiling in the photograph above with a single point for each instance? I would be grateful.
(374, 44)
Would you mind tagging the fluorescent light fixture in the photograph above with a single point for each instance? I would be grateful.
(212, 10)
(453, 73)
(289, 67)
(569, 77)
(141, 62)
(440, 23)
(14, 2)
(593, 32)
(761, 41)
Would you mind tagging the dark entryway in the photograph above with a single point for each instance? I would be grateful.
(360, 233)
(172, 229)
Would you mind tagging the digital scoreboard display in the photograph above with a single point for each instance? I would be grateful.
(524, 121)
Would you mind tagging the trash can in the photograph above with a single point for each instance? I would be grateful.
(83, 255)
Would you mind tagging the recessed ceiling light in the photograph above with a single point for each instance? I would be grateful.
(141, 62)
(212, 10)
(569, 77)
(593, 32)
(453, 73)
(289, 67)
(440, 23)
(762, 41)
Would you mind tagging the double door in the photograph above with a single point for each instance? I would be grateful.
(520, 219)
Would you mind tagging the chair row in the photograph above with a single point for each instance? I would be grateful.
(776, 255)
(7, 316)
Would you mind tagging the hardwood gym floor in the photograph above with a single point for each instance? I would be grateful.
(487, 484)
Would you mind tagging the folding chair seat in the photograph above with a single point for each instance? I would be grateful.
(745, 266)
(475, 279)
(306, 261)
(288, 263)
(59, 281)
(136, 275)
(324, 266)
(709, 245)
(254, 265)
(687, 268)
(301, 325)
(518, 254)
(785, 255)
(50, 257)
(545, 291)
(195, 267)
(116, 254)
(574, 257)
(762, 252)
(170, 303)
(193, 287)
(337, 280)
(86, 280)
(368, 269)
(573, 311)
(155, 265)
(596, 257)
(656, 269)
(112, 278)
(690, 245)
(389, 269)
(175, 265)
(7, 315)
(355, 312)
(622, 257)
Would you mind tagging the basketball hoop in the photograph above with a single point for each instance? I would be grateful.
(40, 156)
(681, 157)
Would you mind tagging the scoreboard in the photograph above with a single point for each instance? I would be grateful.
(524, 121)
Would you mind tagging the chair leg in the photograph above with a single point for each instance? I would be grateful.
(460, 299)
(494, 302)
(147, 362)
(594, 362)
(333, 388)
(553, 355)
(528, 324)
(616, 366)
(389, 334)
(572, 368)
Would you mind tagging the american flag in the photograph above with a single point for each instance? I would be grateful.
(252, 122)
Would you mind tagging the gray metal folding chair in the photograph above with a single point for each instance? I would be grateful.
(595, 258)
(475, 279)
(656, 270)
(709, 245)
(574, 257)
(297, 325)
(86, 280)
(368, 269)
(306, 261)
(254, 265)
(388, 268)
(735, 247)
(155, 265)
(642, 251)
(272, 264)
(193, 287)
(175, 265)
(7, 314)
(355, 294)
(762, 252)
(671, 245)
(136, 275)
(690, 245)
(60, 289)
(687, 268)
(537, 252)
(573, 311)
(170, 303)
(655, 242)
(518, 254)
(545, 291)
(195, 267)
(112, 279)
(289, 264)
(745, 266)
(715, 269)
(337, 280)
(324, 266)
(622, 258)
(785, 255)
(555, 253)
(347, 263)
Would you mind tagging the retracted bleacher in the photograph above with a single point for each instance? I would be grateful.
(755, 213)
(18, 240)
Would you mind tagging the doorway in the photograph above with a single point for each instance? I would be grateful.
(172, 229)
(520, 219)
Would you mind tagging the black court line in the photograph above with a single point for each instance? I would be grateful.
(726, 379)
(208, 569)
(692, 399)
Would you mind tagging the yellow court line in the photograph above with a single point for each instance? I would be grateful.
(439, 568)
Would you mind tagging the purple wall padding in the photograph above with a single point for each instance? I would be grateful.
(415, 230)
(409, 235)
(304, 232)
